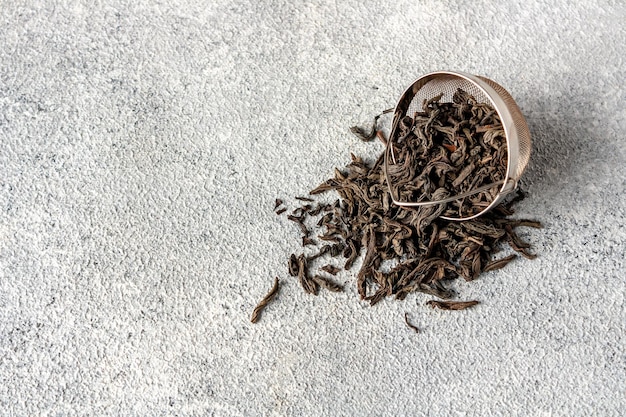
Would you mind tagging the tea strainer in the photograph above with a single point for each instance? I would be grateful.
(483, 90)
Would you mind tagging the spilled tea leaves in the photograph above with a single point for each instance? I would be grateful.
(445, 149)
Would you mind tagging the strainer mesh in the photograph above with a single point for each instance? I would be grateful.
(446, 84)
(449, 83)
(523, 133)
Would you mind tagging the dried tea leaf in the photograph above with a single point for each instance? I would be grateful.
(294, 267)
(307, 199)
(411, 326)
(299, 221)
(498, 263)
(365, 135)
(325, 186)
(331, 269)
(306, 282)
(452, 305)
(327, 283)
(256, 314)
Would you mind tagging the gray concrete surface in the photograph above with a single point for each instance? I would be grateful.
(142, 145)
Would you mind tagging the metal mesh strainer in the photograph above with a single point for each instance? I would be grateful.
(486, 91)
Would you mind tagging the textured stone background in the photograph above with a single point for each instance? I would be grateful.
(142, 145)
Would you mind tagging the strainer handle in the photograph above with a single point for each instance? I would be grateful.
(511, 184)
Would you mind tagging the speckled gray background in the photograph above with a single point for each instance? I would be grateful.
(142, 145)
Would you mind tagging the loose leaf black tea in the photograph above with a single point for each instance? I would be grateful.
(446, 149)
(428, 251)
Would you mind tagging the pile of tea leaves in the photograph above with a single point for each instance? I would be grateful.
(427, 250)
(408, 249)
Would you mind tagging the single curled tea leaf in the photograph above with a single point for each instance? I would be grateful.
(294, 266)
(499, 263)
(368, 135)
(327, 283)
(325, 186)
(411, 326)
(300, 222)
(333, 270)
(256, 314)
(452, 305)
(307, 199)
(309, 285)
